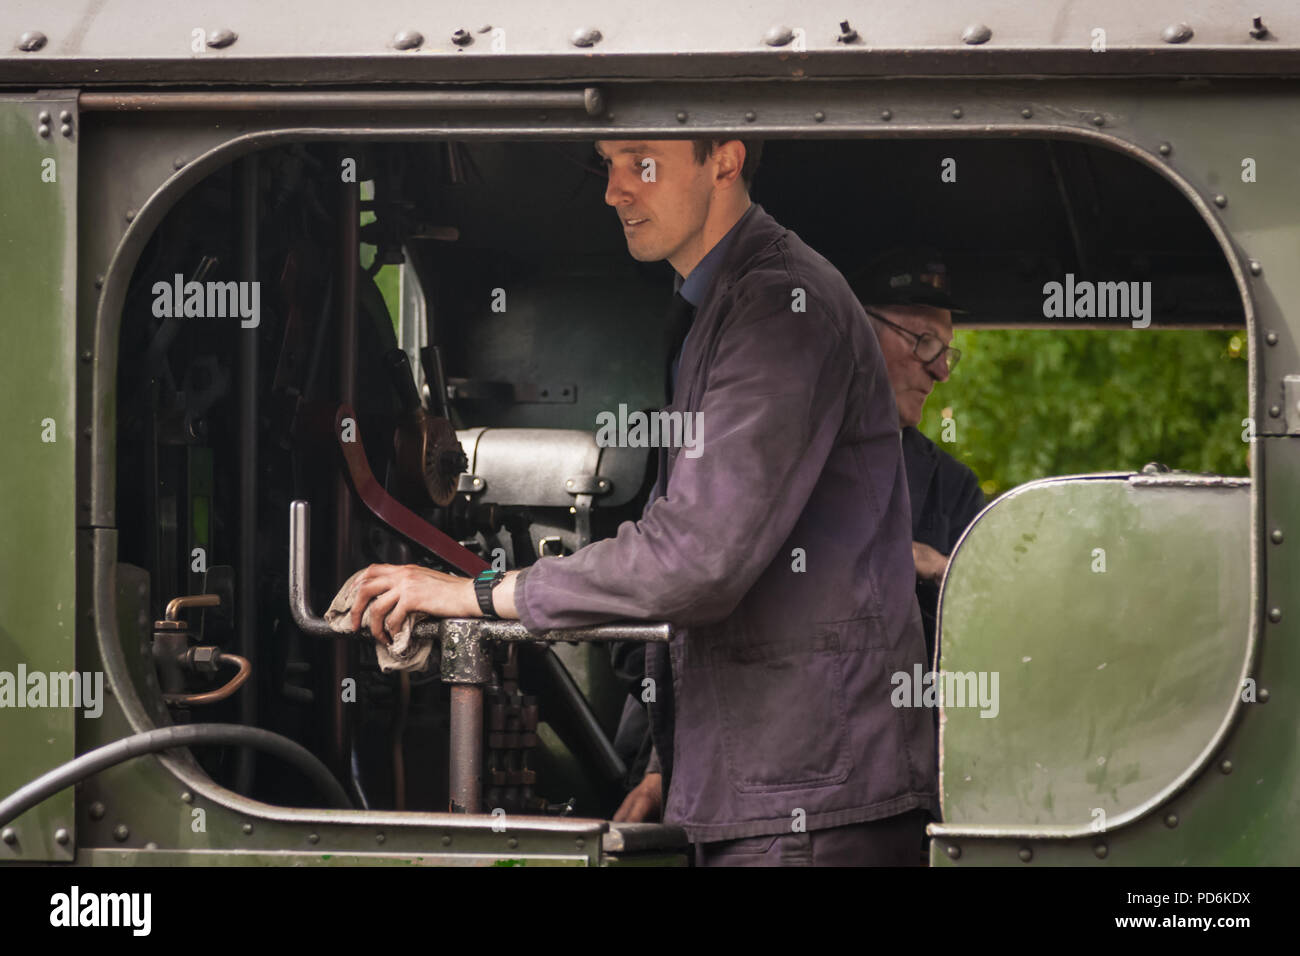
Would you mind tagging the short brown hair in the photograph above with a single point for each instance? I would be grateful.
(753, 150)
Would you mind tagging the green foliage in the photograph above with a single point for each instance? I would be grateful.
(1029, 403)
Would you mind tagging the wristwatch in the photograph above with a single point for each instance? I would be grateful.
(483, 585)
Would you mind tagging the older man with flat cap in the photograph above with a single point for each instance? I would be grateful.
(906, 294)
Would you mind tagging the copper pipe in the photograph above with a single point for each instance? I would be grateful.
(178, 604)
(221, 693)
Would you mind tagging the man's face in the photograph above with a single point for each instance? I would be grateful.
(912, 381)
(662, 205)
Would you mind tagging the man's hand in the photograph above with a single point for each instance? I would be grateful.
(397, 590)
(930, 564)
(645, 803)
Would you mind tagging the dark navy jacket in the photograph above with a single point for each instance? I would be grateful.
(945, 497)
(782, 555)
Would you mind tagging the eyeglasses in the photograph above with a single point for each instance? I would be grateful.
(928, 346)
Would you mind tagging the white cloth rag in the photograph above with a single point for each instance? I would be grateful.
(406, 653)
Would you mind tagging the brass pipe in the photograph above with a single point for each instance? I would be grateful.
(222, 692)
(178, 604)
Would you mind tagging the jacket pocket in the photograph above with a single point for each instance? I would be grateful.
(782, 712)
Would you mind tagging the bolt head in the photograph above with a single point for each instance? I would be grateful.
(886, 115)
(1220, 200)
(43, 116)
(9, 835)
(1275, 615)
(1263, 695)
(1171, 820)
(956, 113)
(682, 116)
(1226, 766)
(512, 843)
(1099, 120)
(1276, 536)
(96, 811)
(31, 41)
(586, 37)
(220, 39)
(1255, 267)
(1176, 33)
(1165, 149)
(975, 34)
(750, 116)
(65, 117)
(1275, 411)
(61, 836)
(1101, 851)
(43, 131)
(1026, 854)
(408, 40)
(1026, 112)
(819, 116)
(1271, 338)
(187, 797)
(778, 36)
(247, 828)
(954, 852)
(313, 837)
(446, 841)
(121, 832)
(462, 38)
(66, 130)
(130, 215)
(379, 838)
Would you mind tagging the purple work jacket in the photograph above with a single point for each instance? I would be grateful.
(781, 552)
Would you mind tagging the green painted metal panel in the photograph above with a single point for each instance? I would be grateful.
(1116, 616)
(38, 201)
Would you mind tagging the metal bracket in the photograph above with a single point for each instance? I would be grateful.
(470, 485)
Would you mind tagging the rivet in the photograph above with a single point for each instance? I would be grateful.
(1275, 615)
(96, 811)
(1275, 411)
(682, 116)
(87, 355)
(1171, 820)
(121, 832)
(187, 797)
(313, 837)
(1257, 28)
(1221, 200)
(954, 852)
(580, 843)
(750, 116)
(1165, 149)
(478, 482)
(1255, 267)
(1099, 120)
(66, 130)
(956, 114)
(1176, 33)
(1026, 112)
(379, 838)
(31, 41)
(886, 115)
(1263, 695)
(446, 841)
(130, 215)
(43, 131)
(179, 163)
(247, 828)
(9, 835)
(569, 483)
(65, 117)
(99, 282)
(1101, 851)
(61, 836)
(1271, 338)
(512, 843)
(1276, 536)
(819, 116)
(586, 36)
(1226, 766)
(976, 34)
(88, 431)
(1026, 854)
(463, 38)
(778, 36)
(151, 845)
(221, 39)
(408, 40)
(486, 28)
(43, 116)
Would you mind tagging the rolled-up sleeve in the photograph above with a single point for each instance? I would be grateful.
(769, 416)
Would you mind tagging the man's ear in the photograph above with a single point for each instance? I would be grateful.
(730, 159)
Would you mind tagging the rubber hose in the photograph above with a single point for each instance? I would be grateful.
(169, 738)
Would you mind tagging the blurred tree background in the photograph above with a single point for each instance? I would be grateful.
(1030, 403)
